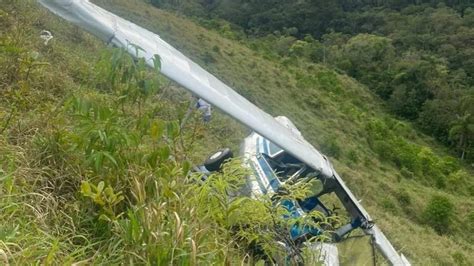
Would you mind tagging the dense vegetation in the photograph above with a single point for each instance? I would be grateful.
(94, 166)
(418, 56)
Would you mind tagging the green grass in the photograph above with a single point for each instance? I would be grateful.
(44, 157)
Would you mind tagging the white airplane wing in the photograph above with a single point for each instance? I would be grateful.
(176, 66)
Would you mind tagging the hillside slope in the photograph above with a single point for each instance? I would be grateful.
(391, 167)
(334, 113)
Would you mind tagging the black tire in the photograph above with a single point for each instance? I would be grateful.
(215, 161)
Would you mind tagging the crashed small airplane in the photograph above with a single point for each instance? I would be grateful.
(279, 132)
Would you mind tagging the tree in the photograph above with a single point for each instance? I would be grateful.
(417, 80)
(437, 115)
(369, 58)
(462, 129)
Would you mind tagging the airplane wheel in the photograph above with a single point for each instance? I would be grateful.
(215, 161)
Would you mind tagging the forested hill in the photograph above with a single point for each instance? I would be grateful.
(315, 17)
(418, 56)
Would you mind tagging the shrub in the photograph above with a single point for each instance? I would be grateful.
(353, 156)
(456, 181)
(428, 160)
(439, 180)
(439, 214)
(405, 155)
(403, 197)
(459, 258)
(407, 173)
(331, 148)
(412, 159)
(383, 149)
(389, 205)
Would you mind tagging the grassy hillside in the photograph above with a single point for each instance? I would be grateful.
(48, 147)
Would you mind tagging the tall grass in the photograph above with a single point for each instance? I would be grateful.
(102, 176)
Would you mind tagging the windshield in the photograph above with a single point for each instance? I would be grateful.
(273, 149)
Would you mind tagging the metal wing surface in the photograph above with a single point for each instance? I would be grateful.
(174, 65)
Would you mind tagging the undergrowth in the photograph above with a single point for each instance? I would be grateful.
(103, 173)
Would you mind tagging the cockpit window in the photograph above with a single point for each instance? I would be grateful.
(273, 149)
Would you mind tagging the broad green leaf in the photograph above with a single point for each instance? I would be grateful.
(100, 187)
(86, 188)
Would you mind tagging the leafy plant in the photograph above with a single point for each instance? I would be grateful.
(130, 78)
(439, 214)
(104, 197)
